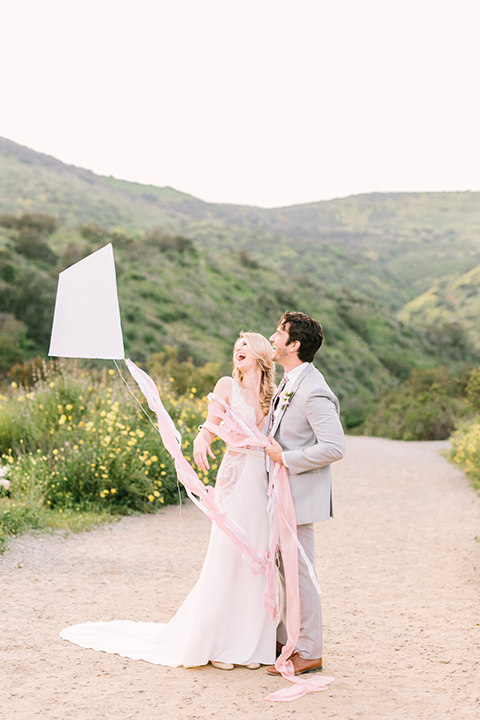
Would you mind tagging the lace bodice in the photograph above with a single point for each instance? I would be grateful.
(234, 460)
(240, 405)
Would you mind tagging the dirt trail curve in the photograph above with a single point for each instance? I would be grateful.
(400, 570)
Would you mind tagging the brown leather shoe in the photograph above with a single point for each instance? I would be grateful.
(300, 665)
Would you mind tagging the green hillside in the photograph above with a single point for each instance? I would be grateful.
(31, 182)
(455, 300)
(392, 247)
(192, 274)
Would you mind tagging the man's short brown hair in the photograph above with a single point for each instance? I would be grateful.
(305, 330)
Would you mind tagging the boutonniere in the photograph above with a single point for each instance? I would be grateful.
(285, 398)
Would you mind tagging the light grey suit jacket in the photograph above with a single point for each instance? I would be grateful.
(311, 434)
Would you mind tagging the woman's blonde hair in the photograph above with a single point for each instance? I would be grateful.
(262, 351)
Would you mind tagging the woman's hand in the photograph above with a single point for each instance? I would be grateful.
(201, 447)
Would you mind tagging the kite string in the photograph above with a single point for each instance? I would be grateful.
(151, 423)
(135, 398)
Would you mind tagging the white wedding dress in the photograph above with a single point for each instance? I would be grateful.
(224, 617)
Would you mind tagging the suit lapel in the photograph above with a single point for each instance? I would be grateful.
(279, 415)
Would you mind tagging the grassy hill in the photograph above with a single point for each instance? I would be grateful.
(192, 274)
(32, 182)
(454, 300)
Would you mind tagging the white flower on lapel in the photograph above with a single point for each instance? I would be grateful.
(285, 398)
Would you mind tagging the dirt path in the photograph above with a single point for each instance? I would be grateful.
(400, 570)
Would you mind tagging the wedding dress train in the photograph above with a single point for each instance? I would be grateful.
(224, 617)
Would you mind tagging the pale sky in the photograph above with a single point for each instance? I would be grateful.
(259, 102)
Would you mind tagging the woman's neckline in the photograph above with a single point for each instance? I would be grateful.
(264, 417)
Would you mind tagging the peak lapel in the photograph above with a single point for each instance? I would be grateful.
(279, 415)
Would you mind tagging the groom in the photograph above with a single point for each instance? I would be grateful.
(306, 436)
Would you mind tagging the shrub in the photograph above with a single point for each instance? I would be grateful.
(425, 407)
(78, 440)
(15, 519)
(182, 373)
(473, 390)
(466, 450)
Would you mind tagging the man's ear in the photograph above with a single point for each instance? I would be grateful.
(294, 346)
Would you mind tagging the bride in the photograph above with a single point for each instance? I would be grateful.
(223, 620)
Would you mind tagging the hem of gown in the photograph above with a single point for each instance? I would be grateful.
(263, 660)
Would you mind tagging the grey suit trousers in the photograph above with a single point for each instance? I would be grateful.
(310, 642)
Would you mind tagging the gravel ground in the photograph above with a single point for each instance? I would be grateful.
(400, 571)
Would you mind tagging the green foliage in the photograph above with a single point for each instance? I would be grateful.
(16, 519)
(30, 233)
(473, 390)
(449, 311)
(466, 450)
(40, 222)
(77, 441)
(186, 379)
(466, 440)
(10, 353)
(11, 339)
(30, 244)
(31, 371)
(425, 407)
(172, 245)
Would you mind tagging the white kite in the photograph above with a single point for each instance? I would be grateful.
(86, 322)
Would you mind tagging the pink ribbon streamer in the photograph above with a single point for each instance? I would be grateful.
(202, 495)
(237, 433)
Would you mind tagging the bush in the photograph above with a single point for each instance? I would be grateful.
(425, 407)
(183, 374)
(77, 440)
(473, 390)
(466, 450)
(15, 519)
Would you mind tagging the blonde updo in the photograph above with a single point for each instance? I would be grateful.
(262, 352)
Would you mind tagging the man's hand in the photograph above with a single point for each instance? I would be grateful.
(275, 450)
(200, 450)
